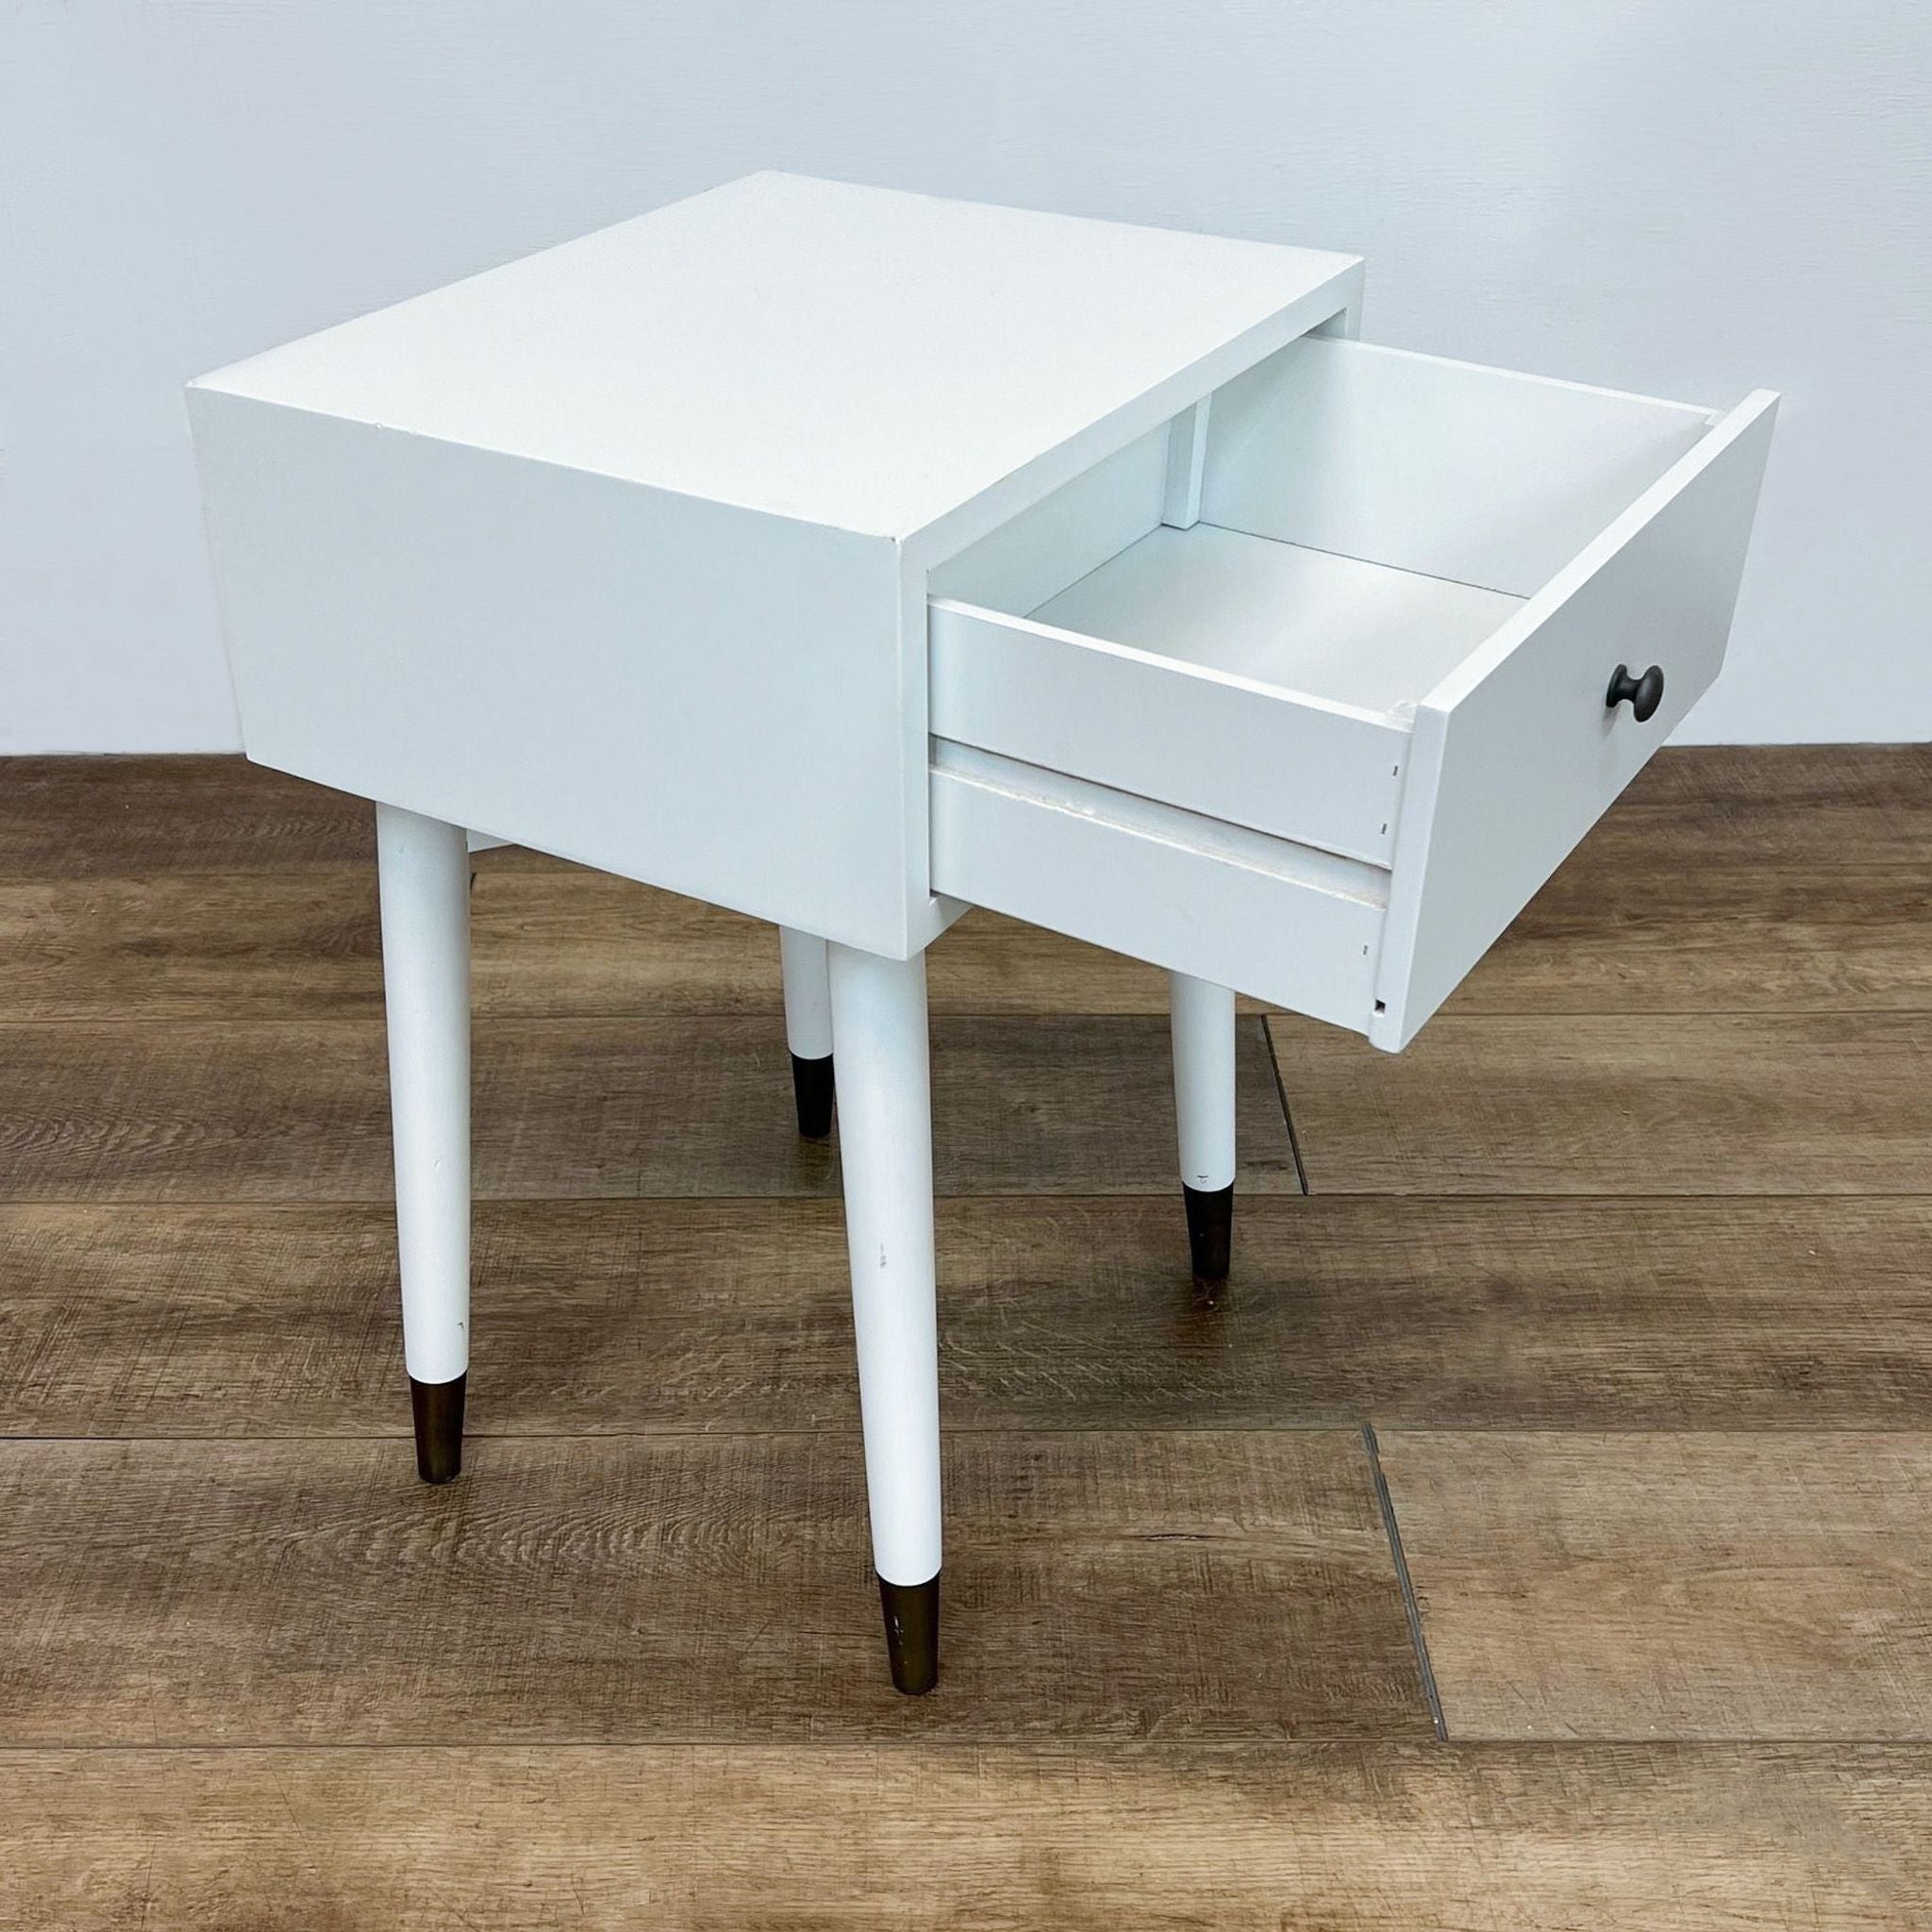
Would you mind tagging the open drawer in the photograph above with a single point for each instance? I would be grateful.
(1311, 692)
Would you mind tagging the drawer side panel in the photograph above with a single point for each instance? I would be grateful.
(1320, 775)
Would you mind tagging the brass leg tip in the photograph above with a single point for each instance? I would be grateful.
(438, 1408)
(1211, 1229)
(912, 1634)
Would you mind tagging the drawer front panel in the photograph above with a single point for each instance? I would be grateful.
(1295, 928)
(1320, 775)
(1516, 754)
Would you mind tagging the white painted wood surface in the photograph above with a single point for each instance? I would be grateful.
(1148, 725)
(1516, 754)
(1187, 457)
(1193, 735)
(1483, 476)
(423, 870)
(885, 1148)
(807, 994)
(1296, 926)
(676, 691)
(1201, 1020)
(622, 551)
(857, 358)
(1076, 528)
(1299, 621)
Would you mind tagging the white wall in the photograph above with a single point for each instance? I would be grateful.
(1687, 197)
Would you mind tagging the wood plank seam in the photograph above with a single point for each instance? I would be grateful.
(1294, 1145)
(1411, 1609)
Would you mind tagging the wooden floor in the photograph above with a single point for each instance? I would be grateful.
(1538, 1535)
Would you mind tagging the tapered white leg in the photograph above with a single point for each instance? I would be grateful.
(808, 1028)
(1204, 1098)
(885, 1113)
(424, 866)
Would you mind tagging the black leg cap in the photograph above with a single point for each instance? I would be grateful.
(438, 1408)
(1211, 1229)
(811, 1088)
(912, 1634)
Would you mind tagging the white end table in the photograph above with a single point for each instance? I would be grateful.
(848, 557)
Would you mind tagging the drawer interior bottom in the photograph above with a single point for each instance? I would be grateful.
(1305, 621)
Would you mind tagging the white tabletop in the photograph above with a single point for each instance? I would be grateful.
(851, 356)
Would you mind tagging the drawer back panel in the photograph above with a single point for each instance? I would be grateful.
(1482, 475)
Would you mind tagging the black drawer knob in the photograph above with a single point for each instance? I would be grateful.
(1644, 693)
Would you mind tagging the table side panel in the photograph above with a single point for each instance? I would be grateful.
(710, 699)
(1070, 531)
